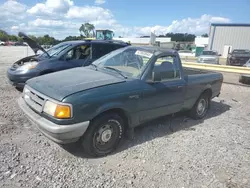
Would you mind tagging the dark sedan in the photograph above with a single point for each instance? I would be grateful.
(238, 57)
(62, 56)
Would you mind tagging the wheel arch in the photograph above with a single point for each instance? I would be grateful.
(120, 111)
(208, 92)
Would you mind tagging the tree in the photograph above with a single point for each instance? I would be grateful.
(205, 35)
(46, 40)
(19, 39)
(69, 38)
(87, 30)
(181, 37)
(3, 36)
(12, 38)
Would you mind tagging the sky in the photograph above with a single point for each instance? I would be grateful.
(127, 18)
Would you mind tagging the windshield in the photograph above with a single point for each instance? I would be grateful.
(241, 52)
(209, 53)
(128, 61)
(55, 50)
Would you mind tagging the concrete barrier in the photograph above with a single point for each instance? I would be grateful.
(220, 68)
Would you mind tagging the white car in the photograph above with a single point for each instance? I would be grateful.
(186, 53)
(2, 43)
(209, 56)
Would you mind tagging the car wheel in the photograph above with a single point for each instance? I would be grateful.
(244, 79)
(103, 135)
(201, 107)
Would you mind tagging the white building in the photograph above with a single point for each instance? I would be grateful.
(201, 41)
(226, 37)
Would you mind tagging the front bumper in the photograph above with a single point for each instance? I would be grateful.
(61, 134)
(236, 63)
(18, 79)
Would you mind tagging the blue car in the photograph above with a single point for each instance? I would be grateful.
(62, 56)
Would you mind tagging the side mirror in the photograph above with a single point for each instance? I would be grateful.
(219, 55)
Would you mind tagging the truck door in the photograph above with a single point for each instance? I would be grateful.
(166, 96)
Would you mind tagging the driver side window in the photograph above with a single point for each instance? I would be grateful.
(78, 52)
(167, 67)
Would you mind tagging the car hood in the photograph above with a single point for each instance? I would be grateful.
(208, 56)
(32, 44)
(61, 84)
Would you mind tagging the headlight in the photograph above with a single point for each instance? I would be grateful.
(57, 110)
(28, 66)
(26, 92)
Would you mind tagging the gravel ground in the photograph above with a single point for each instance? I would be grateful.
(169, 152)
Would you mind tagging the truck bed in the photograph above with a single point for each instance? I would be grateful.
(192, 71)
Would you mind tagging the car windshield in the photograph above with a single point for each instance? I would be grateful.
(209, 53)
(130, 62)
(241, 52)
(55, 50)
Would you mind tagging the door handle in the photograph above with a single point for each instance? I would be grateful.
(179, 87)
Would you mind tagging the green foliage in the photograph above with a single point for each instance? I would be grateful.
(87, 29)
(12, 38)
(3, 36)
(205, 35)
(181, 37)
(69, 38)
(19, 39)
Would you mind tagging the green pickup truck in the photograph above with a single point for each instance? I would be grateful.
(96, 105)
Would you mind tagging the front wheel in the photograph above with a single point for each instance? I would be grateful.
(200, 108)
(104, 135)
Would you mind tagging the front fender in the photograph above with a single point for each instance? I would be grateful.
(110, 106)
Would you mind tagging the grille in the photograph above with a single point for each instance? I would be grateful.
(34, 100)
(208, 60)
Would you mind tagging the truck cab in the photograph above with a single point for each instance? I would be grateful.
(104, 34)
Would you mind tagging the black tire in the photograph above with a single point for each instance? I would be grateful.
(196, 112)
(93, 141)
(241, 79)
(244, 79)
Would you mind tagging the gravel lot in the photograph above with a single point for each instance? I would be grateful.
(169, 152)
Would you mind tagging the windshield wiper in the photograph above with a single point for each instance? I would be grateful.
(116, 70)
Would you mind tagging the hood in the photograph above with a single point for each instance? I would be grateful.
(61, 84)
(208, 56)
(32, 44)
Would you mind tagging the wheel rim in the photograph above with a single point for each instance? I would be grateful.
(106, 136)
(201, 107)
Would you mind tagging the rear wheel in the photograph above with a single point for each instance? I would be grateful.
(200, 108)
(104, 135)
